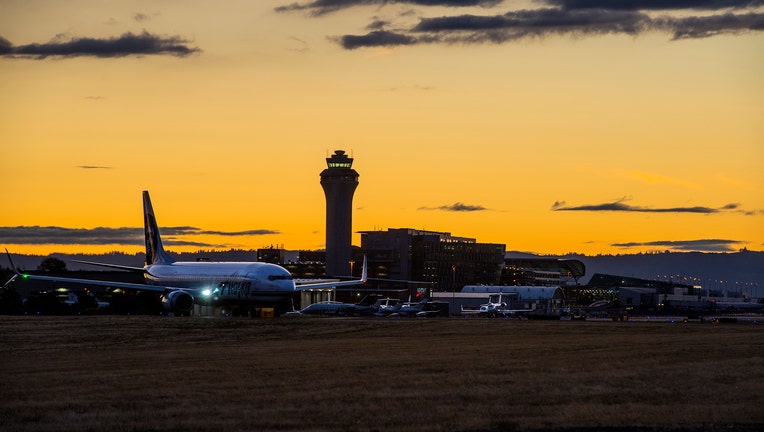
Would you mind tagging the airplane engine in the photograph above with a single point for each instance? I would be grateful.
(178, 301)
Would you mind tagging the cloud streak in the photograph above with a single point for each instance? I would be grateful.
(128, 44)
(456, 207)
(321, 7)
(621, 206)
(577, 18)
(37, 235)
(655, 4)
(513, 26)
(376, 38)
(702, 245)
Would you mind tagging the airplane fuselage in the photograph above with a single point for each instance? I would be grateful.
(224, 282)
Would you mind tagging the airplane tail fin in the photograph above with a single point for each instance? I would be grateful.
(15, 269)
(155, 253)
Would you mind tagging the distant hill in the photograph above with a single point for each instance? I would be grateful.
(30, 262)
(739, 271)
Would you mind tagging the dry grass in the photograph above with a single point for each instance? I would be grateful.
(162, 374)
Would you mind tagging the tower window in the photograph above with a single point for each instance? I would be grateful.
(340, 164)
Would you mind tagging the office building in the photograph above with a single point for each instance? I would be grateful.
(444, 262)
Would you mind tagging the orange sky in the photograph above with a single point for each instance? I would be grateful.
(553, 139)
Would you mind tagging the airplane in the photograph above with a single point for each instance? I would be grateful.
(488, 309)
(421, 308)
(243, 285)
(492, 309)
(363, 307)
(384, 306)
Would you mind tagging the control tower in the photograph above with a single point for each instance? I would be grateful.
(339, 181)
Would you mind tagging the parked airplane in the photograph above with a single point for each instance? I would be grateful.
(488, 309)
(492, 309)
(423, 308)
(384, 306)
(243, 285)
(366, 306)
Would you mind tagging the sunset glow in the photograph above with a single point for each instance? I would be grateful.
(644, 134)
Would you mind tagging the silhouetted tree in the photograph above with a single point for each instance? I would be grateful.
(52, 264)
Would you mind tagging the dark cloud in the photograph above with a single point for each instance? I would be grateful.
(320, 7)
(543, 22)
(564, 17)
(6, 47)
(126, 45)
(93, 167)
(456, 207)
(707, 26)
(59, 235)
(38, 235)
(654, 4)
(704, 245)
(537, 22)
(374, 39)
(621, 206)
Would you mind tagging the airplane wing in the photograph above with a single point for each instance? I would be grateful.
(115, 266)
(112, 284)
(317, 285)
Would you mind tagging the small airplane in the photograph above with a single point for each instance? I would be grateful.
(335, 308)
(422, 308)
(488, 309)
(492, 309)
(243, 285)
(384, 306)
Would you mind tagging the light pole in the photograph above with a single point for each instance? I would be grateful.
(453, 277)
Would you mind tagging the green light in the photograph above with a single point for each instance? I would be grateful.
(26, 276)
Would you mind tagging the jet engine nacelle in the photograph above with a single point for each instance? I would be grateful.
(178, 301)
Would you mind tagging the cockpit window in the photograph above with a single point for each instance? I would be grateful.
(279, 277)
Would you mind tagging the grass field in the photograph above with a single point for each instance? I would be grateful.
(122, 373)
